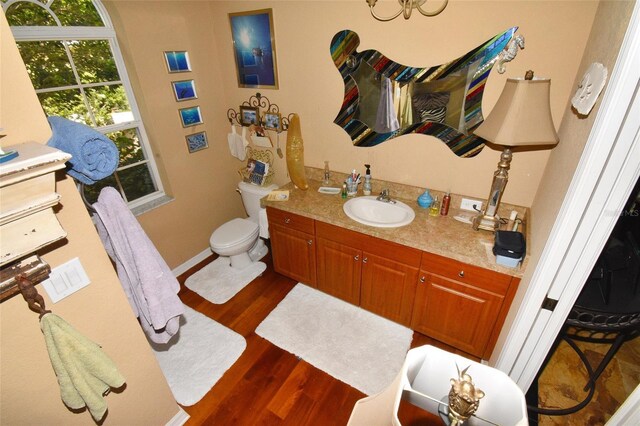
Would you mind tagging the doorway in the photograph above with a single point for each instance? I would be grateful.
(594, 364)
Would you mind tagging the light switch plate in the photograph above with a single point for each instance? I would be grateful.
(66, 279)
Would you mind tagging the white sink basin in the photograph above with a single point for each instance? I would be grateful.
(369, 211)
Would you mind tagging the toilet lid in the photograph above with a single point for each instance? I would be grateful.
(233, 232)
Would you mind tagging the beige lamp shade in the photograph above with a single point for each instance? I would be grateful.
(522, 115)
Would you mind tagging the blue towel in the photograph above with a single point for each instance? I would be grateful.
(94, 156)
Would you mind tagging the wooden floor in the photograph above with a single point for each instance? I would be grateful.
(267, 385)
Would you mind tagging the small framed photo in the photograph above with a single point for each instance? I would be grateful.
(197, 141)
(177, 61)
(272, 121)
(248, 115)
(190, 116)
(184, 90)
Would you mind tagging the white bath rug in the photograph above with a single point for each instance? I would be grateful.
(218, 282)
(357, 347)
(194, 361)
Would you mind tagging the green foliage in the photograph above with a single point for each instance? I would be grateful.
(73, 13)
(50, 65)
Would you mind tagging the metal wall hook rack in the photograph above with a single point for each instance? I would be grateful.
(264, 105)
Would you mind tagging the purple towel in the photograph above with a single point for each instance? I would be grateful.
(147, 280)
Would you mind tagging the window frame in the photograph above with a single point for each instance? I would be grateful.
(106, 32)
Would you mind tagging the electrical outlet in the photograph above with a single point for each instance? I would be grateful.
(468, 203)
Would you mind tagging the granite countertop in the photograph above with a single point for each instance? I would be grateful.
(442, 235)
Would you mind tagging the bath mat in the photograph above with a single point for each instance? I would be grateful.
(195, 359)
(357, 347)
(218, 282)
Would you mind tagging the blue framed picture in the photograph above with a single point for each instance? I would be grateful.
(177, 61)
(254, 48)
(184, 90)
(190, 116)
(197, 141)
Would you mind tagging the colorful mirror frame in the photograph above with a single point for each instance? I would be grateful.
(465, 76)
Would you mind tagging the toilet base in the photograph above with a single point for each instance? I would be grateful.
(258, 251)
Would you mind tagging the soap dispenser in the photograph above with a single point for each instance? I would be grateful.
(366, 188)
(425, 199)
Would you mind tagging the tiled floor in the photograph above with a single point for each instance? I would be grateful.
(562, 381)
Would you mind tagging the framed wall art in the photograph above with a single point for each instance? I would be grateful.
(177, 61)
(249, 115)
(272, 121)
(197, 141)
(184, 90)
(190, 116)
(254, 48)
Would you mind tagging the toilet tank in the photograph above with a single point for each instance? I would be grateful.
(251, 195)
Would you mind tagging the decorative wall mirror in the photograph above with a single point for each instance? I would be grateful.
(384, 99)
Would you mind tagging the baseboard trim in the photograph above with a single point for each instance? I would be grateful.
(181, 269)
(179, 419)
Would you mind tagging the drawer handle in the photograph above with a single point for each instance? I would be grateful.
(287, 220)
(364, 260)
(310, 242)
(356, 257)
(422, 280)
(461, 274)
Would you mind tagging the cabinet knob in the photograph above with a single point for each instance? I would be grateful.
(364, 260)
(461, 274)
(422, 279)
(356, 257)
(287, 220)
(310, 242)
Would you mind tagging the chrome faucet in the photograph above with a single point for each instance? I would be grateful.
(384, 197)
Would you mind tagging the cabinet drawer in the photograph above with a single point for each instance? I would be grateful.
(465, 273)
(290, 220)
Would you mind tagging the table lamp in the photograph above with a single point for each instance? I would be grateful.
(521, 117)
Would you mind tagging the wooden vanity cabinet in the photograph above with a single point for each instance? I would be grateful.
(461, 305)
(293, 245)
(377, 275)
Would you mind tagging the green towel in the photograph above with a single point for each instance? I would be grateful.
(85, 373)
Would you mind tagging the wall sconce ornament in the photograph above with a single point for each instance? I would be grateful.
(406, 7)
(589, 88)
(443, 101)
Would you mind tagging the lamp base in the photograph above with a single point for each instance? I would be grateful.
(487, 223)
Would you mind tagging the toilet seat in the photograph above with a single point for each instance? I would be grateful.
(235, 232)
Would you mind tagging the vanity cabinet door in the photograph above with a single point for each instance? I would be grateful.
(455, 313)
(339, 268)
(293, 249)
(388, 288)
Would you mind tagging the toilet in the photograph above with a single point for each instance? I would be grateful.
(239, 239)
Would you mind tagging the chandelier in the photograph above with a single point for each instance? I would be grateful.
(406, 7)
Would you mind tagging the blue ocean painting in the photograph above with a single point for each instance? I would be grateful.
(254, 50)
(190, 116)
(178, 61)
(185, 89)
(197, 141)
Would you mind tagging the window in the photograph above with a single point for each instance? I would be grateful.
(70, 50)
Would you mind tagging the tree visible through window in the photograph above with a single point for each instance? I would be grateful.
(73, 60)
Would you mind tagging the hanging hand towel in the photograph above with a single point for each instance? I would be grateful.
(150, 285)
(232, 140)
(84, 372)
(94, 156)
(386, 119)
(242, 144)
